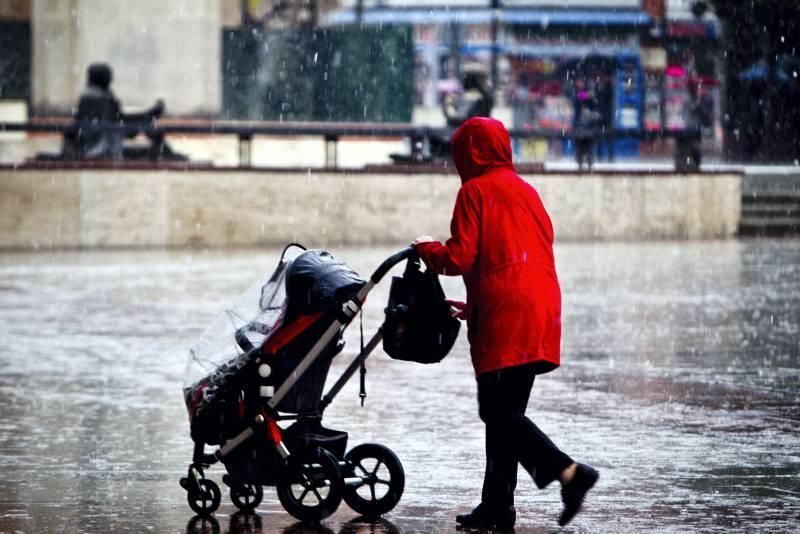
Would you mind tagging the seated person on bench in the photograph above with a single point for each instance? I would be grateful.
(98, 104)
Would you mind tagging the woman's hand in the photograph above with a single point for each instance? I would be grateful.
(422, 239)
(457, 309)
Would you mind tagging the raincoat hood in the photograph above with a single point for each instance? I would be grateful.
(481, 144)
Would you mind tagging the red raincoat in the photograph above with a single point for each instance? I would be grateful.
(502, 245)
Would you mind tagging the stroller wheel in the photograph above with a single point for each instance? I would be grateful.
(311, 488)
(247, 496)
(205, 499)
(382, 479)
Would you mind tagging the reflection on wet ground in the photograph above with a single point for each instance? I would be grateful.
(680, 382)
(244, 523)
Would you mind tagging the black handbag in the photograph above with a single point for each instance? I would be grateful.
(418, 325)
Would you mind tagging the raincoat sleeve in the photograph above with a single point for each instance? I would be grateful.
(457, 256)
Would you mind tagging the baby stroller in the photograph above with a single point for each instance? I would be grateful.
(265, 361)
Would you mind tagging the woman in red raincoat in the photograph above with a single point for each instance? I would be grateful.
(502, 245)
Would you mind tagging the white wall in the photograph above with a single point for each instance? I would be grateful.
(157, 48)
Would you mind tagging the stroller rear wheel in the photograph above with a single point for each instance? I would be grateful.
(246, 497)
(311, 488)
(382, 479)
(205, 498)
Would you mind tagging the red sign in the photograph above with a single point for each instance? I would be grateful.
(686, 29)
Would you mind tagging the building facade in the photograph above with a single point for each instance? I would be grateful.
(543, 53)
(540, 53)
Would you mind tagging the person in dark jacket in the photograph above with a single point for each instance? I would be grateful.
(98, 104)
(605, 103)
(502, 245)
(584, 124)
(476, 100)
(688, 153)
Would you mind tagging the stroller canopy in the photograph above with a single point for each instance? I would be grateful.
(316, 281)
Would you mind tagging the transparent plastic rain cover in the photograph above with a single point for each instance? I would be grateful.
(216, 357)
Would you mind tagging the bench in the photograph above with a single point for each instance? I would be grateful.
(332, 132)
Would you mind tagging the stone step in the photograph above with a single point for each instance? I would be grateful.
(787, 221)
(772, 197)
(772, 213)
(772, 226)
(770, 210)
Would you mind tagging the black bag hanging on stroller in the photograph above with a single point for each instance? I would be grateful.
(418, 326)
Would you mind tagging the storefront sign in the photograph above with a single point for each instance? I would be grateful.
(688, 30)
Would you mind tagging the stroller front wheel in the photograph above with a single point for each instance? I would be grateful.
(382, 479)
(247, 497)
(204, 499)
(311, 487)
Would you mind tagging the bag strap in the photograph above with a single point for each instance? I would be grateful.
(362, 394)
(412, 265)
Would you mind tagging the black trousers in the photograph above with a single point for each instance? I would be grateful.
(511, 437)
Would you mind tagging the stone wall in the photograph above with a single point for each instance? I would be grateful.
(225, 208)
(158, 49)
(645, 206)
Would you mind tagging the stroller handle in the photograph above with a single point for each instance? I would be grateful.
(391, 261)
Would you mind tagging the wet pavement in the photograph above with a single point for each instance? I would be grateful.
(680, 382)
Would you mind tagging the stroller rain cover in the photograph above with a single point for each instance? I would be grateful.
(216, 358)
(304, 282)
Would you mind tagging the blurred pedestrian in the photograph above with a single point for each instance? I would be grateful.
(585, 121)
(502, 245)
(605, 104)
(688, 152)
(476, 100)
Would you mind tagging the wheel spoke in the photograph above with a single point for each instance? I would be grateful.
(372, 492)
(319, 497)
(377, 466)
(303, 495)
(363, 469)
(381, 481)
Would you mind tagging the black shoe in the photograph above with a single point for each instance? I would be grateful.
(483, 517)
(575, 490)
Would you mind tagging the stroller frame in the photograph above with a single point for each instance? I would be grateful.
(318, 469)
